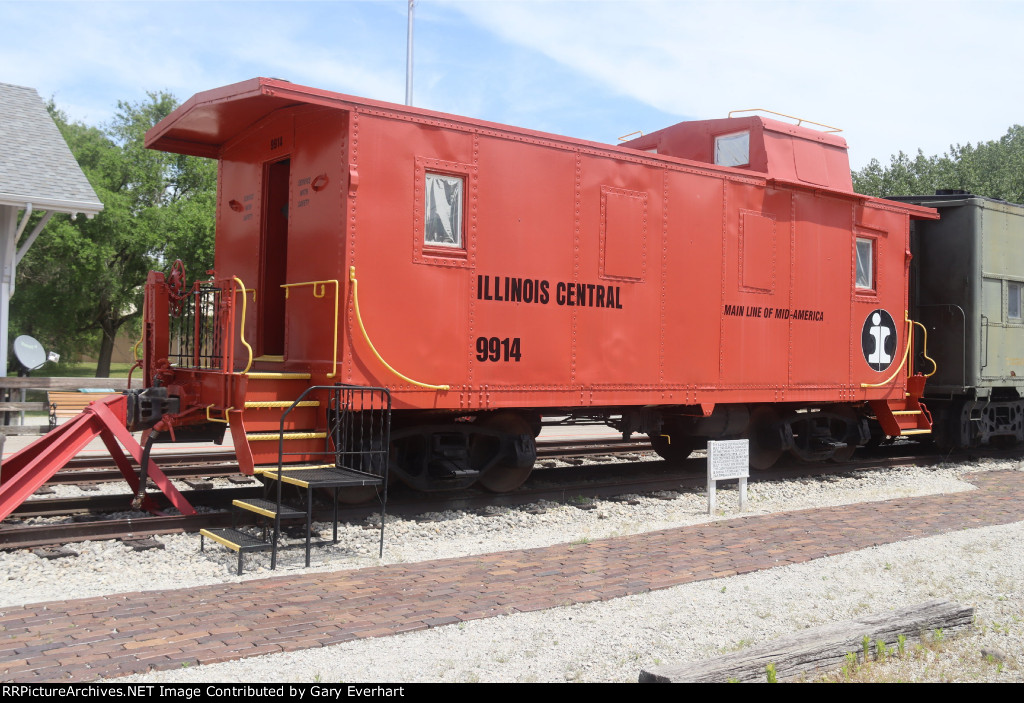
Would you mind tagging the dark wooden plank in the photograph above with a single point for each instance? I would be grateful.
(23, 429)
(38, 406)
(68, 383)
(818, 650)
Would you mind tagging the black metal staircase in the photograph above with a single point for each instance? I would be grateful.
(355, 455)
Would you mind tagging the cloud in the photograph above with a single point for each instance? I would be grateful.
(89, 55)
(895, 75)
(885, 71)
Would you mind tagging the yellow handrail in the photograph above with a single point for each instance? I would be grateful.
(799, 120)
(215, 419)
(359, 319)
(924, 349)
(241, 329)
(322, 292)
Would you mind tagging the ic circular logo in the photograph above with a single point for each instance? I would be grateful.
(878, 340)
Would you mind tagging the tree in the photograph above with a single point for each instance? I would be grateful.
(82, 281)
(993, 169)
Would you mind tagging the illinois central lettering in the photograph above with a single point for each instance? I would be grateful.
(513, 289)
(589, 295)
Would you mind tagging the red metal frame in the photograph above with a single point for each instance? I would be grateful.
(24, 472)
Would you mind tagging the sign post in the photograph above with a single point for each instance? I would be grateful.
(728, 459)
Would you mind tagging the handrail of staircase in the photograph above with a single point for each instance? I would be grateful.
(924, 349)
(230, 367)
(336, 390)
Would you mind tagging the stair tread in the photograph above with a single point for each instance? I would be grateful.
(278, 375)
(266, 436)
(234, 539)
(324, 478)
(268, 508)
(293, 467)
(257, 404)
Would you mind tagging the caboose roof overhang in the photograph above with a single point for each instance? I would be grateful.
(208, 120)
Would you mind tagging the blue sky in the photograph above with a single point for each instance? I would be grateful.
(894, 74)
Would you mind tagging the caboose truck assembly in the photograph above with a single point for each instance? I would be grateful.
(714, 279)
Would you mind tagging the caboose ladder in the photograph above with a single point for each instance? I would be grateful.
(255, 429)
(904, 416)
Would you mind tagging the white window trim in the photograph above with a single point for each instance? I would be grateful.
(431, 191)
(871, 263)
(732, 139)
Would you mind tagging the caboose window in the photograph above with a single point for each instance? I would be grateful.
(1013, 301)
(733, 149)
(865, 263)
(443, 211)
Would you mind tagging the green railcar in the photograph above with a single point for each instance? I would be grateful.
(967, 279)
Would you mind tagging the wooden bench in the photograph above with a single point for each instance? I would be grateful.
(78, 398)
(65, 404)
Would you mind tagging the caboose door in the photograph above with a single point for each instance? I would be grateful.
(273, 259)
(311, 253)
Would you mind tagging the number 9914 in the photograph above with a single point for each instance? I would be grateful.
(497, 349)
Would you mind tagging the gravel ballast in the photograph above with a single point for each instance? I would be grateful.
(612, 640)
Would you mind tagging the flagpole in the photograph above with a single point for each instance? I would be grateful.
(408, 58)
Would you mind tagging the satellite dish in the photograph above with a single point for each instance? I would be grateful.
(29, 353)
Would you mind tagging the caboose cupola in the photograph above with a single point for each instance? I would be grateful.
(781, 151)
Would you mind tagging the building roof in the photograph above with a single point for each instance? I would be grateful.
(36, 165)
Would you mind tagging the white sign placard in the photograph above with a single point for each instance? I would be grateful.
(729, 459)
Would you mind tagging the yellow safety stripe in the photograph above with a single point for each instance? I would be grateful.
(266, 470)
(217, 538)
(278, 375)
(253, 508)
(263, 437)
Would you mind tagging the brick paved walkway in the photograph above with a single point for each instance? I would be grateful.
(85, 639)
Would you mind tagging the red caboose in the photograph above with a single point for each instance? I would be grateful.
(713, 279)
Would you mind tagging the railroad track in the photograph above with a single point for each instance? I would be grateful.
(26, 526)
(576, 485)
(222, 464)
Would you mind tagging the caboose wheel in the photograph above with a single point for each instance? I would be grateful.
(674, 448)
(506, 475)
(765, 434)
